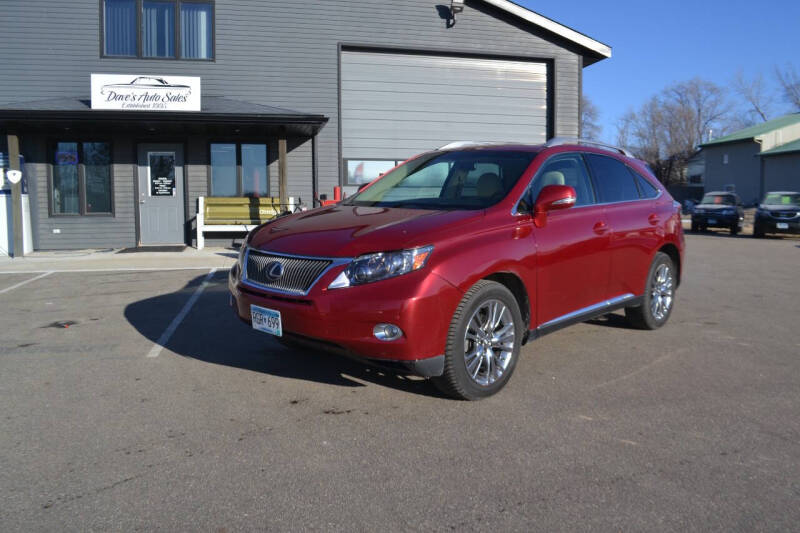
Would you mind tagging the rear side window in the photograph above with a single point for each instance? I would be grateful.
(646, 189)
(614, 182)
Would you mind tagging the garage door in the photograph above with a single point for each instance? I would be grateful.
(394, 106)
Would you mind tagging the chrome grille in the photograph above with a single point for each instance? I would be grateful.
(299, 273)
(784, 214)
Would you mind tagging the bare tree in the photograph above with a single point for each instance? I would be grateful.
(754, 93)
(668, 128)
(590, 128)
(790, 84)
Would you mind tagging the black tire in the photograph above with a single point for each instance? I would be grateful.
(735, 229)
(456, 381)
(758, 231)
(644, 316)
(695, 227)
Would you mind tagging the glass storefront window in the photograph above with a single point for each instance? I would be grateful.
(81, 179)
(66, 200)
(223, 170)
(254, 170)
(360, 171)
(97, 167)
(239, 170)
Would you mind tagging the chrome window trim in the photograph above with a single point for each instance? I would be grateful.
(589, 309)
(515, 210)
(335, 262)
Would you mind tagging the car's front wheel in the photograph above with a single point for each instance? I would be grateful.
(483, 343)
(659, 295)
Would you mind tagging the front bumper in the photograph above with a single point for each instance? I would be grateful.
(342, 320)
(714, 220)
(769, 224)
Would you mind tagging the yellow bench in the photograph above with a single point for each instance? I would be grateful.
(236, 214)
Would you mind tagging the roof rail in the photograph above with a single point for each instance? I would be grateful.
(558, 141)
(470, 144)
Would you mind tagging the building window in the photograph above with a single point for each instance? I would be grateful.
(239, 170)
(361, 171)
(81, 179)
(163, 29)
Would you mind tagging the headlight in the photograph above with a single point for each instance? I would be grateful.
(242, 251)
(383, 265)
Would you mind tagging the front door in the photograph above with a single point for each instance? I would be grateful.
(572, 247)
(161, 200)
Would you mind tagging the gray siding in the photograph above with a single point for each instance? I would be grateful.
(270, 52)
(743, 169)
(782, 172)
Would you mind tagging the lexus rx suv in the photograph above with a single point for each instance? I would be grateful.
(446, 265)
(718, 210)
(778, 213)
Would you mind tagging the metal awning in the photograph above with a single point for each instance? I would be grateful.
(216, 113)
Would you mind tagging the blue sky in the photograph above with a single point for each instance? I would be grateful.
(658, 43)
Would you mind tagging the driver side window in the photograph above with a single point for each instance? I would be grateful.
(564, 169)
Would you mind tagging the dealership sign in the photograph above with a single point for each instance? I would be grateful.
(130, 92)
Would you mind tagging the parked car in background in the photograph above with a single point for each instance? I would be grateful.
(449, 263)
(719, 210)
(778, 213)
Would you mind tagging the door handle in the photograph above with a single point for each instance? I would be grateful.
(141, 201)
(653, 219)
(600, 228)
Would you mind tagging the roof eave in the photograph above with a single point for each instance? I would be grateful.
(600, 50)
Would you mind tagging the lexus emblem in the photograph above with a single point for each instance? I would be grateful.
(274, 271)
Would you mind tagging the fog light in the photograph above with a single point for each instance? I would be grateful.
(387, 332)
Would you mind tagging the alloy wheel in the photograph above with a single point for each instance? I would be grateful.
(489, 342)
(662, 292)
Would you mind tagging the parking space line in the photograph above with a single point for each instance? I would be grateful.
(125, 269)
(21, 283)
(162, 341)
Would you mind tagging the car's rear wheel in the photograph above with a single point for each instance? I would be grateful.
(483, 343)
(659, 295)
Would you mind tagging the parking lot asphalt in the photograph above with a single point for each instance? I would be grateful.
(108, 423)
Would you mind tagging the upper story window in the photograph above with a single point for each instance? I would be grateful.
(161, 29)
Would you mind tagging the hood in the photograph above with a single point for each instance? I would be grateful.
(780, 207)
(349, 231)
(714, 207)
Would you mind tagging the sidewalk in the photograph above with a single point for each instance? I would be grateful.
(83, 260)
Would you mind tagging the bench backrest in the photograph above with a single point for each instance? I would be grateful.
(250, 211)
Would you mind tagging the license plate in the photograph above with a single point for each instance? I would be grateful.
(266, 320)
(782, 225)
(712, 220)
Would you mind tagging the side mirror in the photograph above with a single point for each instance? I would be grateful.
(552, 198)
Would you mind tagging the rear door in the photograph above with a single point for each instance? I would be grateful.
(572, 247)
(633, 221)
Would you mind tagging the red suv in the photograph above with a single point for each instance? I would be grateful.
(446, 265)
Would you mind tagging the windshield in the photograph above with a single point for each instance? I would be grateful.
(782, 198)
(473, 179)
(718, 199)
